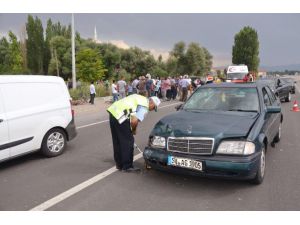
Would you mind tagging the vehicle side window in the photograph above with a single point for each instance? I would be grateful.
(266, 98)
(271, 95)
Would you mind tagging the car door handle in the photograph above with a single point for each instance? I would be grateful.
(1, 120)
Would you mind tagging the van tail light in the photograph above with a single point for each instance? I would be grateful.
(72, 110)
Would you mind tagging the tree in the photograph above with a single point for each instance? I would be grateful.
(246, 48)
(179, 53)
(23, 47)
(61, 60)
(11, 60)
(35, 45)
(4, 56)
(47, 51)
(195, 60)
(208, 60)
(89, 65)
(15, 55)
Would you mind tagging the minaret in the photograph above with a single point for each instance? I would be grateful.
(95, 35)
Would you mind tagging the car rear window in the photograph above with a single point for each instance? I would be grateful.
(224, 99)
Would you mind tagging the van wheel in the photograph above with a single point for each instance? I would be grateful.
(261, 169)
(54, 142)
(278, 135)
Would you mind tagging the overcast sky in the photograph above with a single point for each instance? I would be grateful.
(279, 34)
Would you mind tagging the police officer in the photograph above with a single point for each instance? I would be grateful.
(124, 116)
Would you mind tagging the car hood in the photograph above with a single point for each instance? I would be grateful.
(205, 124)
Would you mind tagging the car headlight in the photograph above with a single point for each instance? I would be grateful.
(236, 148)
(157, 141)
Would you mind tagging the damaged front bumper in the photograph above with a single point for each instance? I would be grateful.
(232, 167)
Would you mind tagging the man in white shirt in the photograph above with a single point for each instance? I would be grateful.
(92, 93)
(134, 84)
(114, 91)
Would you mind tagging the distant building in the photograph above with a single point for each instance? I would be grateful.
(262, 73)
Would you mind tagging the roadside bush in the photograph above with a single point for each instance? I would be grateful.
(82, 93)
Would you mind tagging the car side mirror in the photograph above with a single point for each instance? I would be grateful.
(273, 109)
(178, 107)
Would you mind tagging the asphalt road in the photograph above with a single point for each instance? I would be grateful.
(32, 180)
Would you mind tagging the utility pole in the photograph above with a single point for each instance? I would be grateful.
(73, 55)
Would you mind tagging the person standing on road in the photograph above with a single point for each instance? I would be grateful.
(173, 88)
(141, 86)
(114, 91)
(184, 84)
(134, 84)
(92, 93)
(149, 86)
(122, 86)
(124, 116)
(157, 87)
(130, 88)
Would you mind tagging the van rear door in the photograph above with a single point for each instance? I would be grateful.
(4, 138)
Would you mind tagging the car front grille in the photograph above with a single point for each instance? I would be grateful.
(191, 145)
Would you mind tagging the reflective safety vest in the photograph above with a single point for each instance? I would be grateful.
(123, 108)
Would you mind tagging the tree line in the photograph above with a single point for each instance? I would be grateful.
(48, 52)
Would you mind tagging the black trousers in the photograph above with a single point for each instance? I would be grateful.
(174, 92)
(123, 143)
(92, 98)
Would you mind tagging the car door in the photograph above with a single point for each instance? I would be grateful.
(280, 89)
(276, 117)
(269, 116)
(4, 138)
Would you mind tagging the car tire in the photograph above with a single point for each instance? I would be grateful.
(54, 142)
(288, 98)
(147, 166)
(261, 169)
(278, 135)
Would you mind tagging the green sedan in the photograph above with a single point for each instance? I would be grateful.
(223, 130)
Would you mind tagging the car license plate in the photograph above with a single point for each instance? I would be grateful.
(185, 163)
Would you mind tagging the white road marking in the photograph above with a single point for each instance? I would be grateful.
(92, 124)
(104, 121)
(59, 198)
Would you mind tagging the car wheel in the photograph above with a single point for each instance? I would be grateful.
(278, 135)
(54, 142)
(288, 98)
(147, 166)
(261, 169)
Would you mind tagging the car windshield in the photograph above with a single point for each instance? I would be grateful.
(224, 99)
(236, 75)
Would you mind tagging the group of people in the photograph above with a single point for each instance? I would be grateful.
(168, 88)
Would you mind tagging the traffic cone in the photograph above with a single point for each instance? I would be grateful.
(295, 107)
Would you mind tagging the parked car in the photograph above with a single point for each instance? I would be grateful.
(223, 130)
(35, 114)
(282, 90)
(291, 82)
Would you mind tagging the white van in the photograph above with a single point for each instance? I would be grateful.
(236, 73)
(35, 114)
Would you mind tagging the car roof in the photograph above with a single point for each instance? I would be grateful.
(238, 85)
(29, 78)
